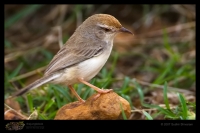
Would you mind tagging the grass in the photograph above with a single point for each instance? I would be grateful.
(170, 68)
(123, 113)
(23, 13)
(180, 112)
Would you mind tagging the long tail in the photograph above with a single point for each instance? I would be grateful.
(35, 84)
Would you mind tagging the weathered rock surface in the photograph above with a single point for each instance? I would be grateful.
(105, 107)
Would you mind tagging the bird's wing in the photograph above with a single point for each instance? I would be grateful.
(69, 56)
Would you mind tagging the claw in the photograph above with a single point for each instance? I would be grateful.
(105, 91)
(98, 95)
(82, 101)
(102, 92)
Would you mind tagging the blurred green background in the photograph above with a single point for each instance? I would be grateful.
(162, 51)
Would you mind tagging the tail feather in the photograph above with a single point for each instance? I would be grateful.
(36, 84)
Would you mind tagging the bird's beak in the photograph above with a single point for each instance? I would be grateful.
(125, 30)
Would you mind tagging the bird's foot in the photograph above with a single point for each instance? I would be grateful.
(102, 92)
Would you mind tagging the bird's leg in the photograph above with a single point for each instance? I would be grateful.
(94, 87)
(95, 97)
(75, 94)
(100, 91)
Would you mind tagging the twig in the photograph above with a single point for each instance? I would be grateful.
(102, 8)
(14, 86)
(79, 18)
(183, 11)
(14, 111)
(60, 37)
(12, 56)
(161, 105)
(137, 24)
(140, 111)
(59, 29)
(31, 45)
(62, 12)
(156, 85)
(176, 28)
(28, 74)
(160, 86)
(149, 110)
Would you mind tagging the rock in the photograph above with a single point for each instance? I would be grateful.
(13, 115)
(105, 107)
(12, 110)
(12, 103)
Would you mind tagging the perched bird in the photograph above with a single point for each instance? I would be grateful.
(82, 56)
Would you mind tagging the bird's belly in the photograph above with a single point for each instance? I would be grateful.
(86, 70)
(68, 77)
(91, 67)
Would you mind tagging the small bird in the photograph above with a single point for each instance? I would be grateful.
(82, 56)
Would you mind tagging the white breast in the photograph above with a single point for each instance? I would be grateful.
(91, 67)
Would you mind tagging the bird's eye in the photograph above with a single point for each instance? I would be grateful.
(106, 29)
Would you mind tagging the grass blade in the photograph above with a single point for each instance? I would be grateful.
(64, 92)
(16, 71)
(128, 99)
(147, 115)
(104, 73)
(164, 111)
(48, 106)
(58, 100)
(113, 65)
(86, 93)
(107, 83)
(52, 115)
(30, 102)
(42, 117)
(166, 41)
(46, 53)
(123, 113)
(167, 70)
(183, 105)
(165, 96)
(125, 84)
(79, 89)
(139, 89)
